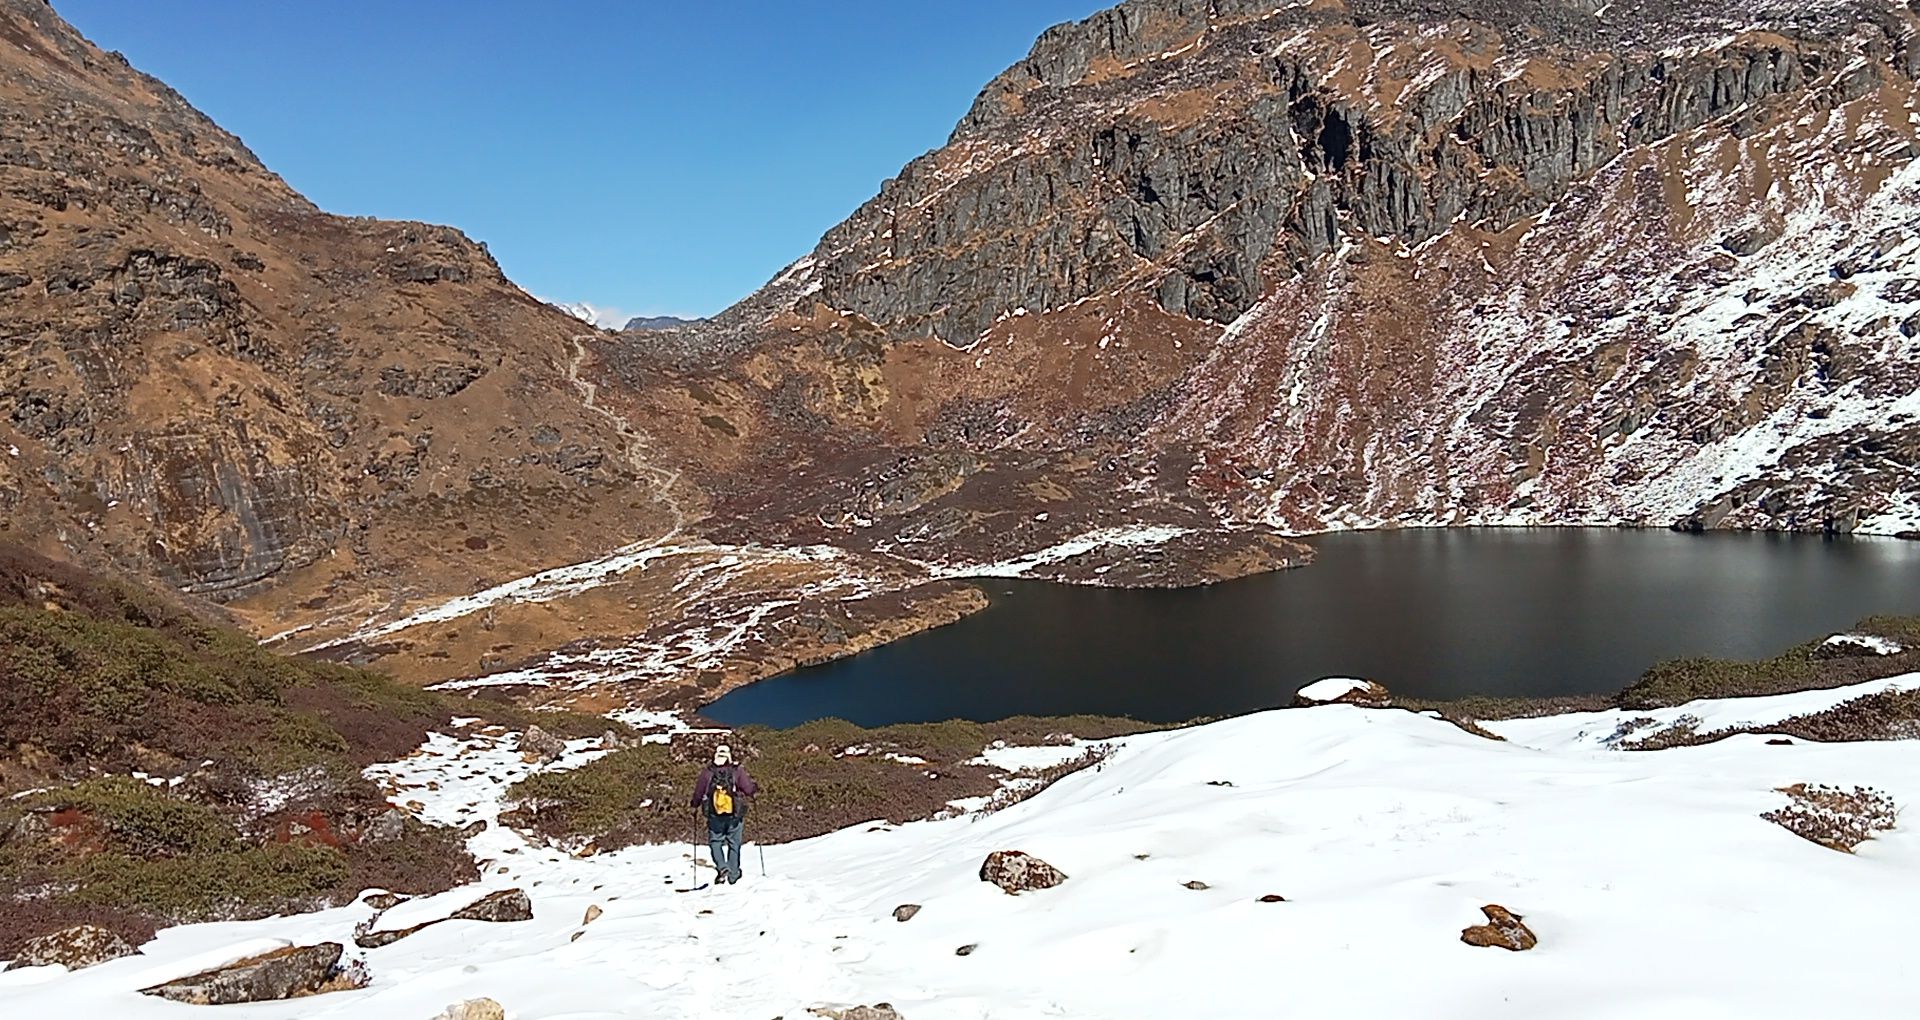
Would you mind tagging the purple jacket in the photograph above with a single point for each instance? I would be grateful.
(743, 784)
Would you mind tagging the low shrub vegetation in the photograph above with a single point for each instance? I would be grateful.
(1800, 668)
(814, 779)
(1835, 818)
(256, 802)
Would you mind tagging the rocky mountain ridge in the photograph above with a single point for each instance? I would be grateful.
(1407, 262)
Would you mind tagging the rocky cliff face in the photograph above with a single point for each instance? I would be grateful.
(1418, 261)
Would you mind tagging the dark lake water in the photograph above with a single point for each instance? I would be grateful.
(1431, 614)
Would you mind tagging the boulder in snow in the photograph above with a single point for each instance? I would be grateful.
(1503, 929)
(474, 1009)
(538, 745)
(281, 974)
(1341, 690)
(905, 911)
(1016, 872)
(505, 905)
(382, 900)
(74, 948)
(593, 914)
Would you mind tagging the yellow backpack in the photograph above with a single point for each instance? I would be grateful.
(722, 803)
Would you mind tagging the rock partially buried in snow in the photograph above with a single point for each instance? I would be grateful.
(538, 745)
(74, 948)
(593, 914)
(1503, 929)
(1341, 690)
(1016, 872)
(281, 974)
(383, 900)
(1196, 885)
(503, 906)
(966, 950)
(877, 1011)
(474, 1009)
(905, 911)
(1273, 898)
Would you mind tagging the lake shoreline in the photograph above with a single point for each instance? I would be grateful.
(1775, 575)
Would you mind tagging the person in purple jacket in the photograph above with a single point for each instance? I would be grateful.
(723, 790)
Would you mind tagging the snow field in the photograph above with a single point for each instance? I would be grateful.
(1654, 886)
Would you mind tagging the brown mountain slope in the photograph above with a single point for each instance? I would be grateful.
(210, 381)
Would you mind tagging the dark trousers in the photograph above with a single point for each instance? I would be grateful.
(723, 841)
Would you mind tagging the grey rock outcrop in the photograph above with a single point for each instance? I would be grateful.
(504, 906)
(74, 948)
(281, 974)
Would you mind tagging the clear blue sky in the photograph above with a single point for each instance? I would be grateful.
(655, 156)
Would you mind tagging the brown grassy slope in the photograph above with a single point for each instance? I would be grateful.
(212, 383)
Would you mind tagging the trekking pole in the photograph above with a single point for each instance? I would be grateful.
(762, 847)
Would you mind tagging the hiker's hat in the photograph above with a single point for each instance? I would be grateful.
(722, 754)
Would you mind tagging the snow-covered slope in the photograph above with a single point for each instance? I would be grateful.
(1653, 884)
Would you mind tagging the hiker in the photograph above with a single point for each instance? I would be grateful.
(723, 789)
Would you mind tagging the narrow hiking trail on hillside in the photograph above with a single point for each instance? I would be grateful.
(664, 480)
(702, 570)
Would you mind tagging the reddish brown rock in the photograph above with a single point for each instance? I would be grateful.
(1504, 929)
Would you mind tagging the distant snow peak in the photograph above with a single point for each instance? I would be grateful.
(592, 314)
